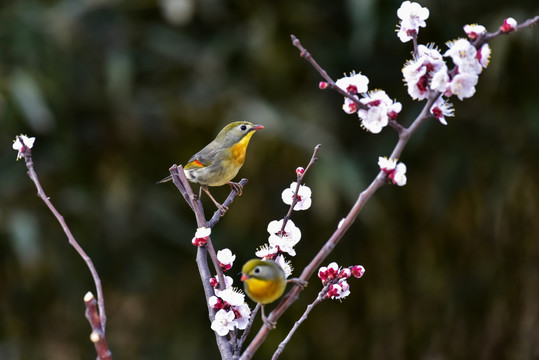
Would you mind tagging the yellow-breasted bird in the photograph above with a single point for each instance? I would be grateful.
(264, 281)
(219, 162)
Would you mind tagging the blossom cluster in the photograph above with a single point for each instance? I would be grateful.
(428, 73)
(232, 310)
(335, 277)
(283, 239)
(396, 172)
(374, 108)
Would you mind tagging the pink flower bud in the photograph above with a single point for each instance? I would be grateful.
(322, 274)
(323, 85)
(300, 171)
(358, 271)
(200, 241)
(345, 273)
(333, 291)
(509, 25)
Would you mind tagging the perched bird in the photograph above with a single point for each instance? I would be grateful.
(219, 162)
(264, 281)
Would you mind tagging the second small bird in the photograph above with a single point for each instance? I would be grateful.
(264, 281)
(219, 162)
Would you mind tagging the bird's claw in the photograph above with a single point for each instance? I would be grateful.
(236, 187)
(222, 208)
(269, 323)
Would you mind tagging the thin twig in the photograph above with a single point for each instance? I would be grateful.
(97, 336)
(229, 200)
(321, 296)
(332, 85)
(299, 180)
(248, 327)
(27, 153)
(484, 38)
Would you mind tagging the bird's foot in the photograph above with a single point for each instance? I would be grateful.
(222, 208)
(269, 323)
(236, 187)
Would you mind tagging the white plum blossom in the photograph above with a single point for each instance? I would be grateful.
(303, 196)
(379, 109)
(213, 301)
(399, 176)
(243, 313)
(201, 236)
(214, 282)
(267, 252)
(287, 267)
(483, 55)
(354, 83)
(231, 295)
(387, 164)
(440, 109)
(412, 17)
(396, 172)
(464, 56)
(440, 80)
(473, 31)
(349, 106)
(225, 258)
(232, 312)
(419, 72)
(223, 322)
(22, 143)
(374, 119)
(463, 85)
(285, 240)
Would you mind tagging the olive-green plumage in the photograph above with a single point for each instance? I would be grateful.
(219, 161)
(264, 280)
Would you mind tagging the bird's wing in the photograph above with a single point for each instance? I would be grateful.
(201, 159)
(195, 163)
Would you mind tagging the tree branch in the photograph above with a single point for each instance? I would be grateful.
(98, 325)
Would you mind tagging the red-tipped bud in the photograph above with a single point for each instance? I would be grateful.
(509, 25)
(358, 271)
(323, 85)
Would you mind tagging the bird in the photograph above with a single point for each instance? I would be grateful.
(264, 281)
(219, 161)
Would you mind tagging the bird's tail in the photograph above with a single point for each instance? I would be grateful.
(168, 178)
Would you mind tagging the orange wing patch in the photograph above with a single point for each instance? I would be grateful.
(194, 164)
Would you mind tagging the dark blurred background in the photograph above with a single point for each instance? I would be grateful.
(117, 91)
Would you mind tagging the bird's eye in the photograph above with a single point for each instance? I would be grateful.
(256, 270)
(243, 127)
